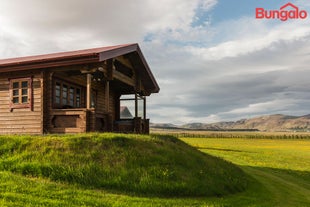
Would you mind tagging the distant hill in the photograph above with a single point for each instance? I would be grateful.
(276, 122)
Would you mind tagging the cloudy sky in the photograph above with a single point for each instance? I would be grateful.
(213, 59)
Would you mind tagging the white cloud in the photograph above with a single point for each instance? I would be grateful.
(250, 42)
(207, 5)
(206, 73)
(265, 107)
(164, 114)
(73, 24)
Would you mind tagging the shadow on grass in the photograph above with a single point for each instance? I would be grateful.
(221, 149)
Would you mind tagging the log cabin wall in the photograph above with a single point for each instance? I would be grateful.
(47, 91)
(21, 120)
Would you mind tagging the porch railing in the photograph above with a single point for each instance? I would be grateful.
(135, 125)
(79, 120)
(88, 120)
(68, 120)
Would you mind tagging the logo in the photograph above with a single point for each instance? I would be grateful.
(283, 13)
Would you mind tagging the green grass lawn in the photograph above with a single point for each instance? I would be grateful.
(281, 166)
(107, 169)
(277, 172)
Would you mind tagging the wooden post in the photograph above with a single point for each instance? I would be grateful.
(117, 107)
(107, 96)
(144, 108)
(136, 105)
(88, 92)
(110, 69)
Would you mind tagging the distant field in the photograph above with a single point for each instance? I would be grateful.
(232, 134)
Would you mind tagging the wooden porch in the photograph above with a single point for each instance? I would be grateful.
(87, 98)
(87, 120)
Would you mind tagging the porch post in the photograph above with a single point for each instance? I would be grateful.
(136, 105)
(88, 92)
(144, 108)
(107, 96)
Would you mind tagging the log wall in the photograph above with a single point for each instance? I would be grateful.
(24, 120)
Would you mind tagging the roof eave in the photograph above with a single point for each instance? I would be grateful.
(48, 63)
(105, 55)
(149, 72)
(126, 50)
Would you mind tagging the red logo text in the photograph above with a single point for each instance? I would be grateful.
(282, 13)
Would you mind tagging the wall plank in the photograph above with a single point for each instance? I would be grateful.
(21, 121)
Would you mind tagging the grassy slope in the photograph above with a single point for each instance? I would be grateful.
(130, 164)
(279, 179)
(281, 166)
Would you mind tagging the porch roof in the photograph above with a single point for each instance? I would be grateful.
(81, 57)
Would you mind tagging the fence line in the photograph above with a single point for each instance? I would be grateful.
(260, 135)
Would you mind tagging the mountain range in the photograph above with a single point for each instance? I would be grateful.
(275, 122)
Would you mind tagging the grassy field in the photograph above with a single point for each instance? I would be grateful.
(281, 166)
(277, 171)
(231, 134)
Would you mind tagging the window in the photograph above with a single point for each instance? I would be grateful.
(20, 93)
(93, 99)
(66, 95)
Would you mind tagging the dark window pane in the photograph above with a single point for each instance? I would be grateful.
(64, 96)
(71, 97)
(15, 92)
(57, 93)
(57, 100)
(93, 100)
(16, 85)
(78, 97)
(25, 84)
(24, 91)
(57, 89)
(15, 100)
(64, 101)
(25, 99)
(64, 91)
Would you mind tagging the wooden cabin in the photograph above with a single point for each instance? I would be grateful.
(75, 92)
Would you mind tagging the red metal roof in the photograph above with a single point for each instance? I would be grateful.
(60, 55)
(82, 57)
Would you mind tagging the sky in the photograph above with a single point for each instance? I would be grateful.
(213, 60)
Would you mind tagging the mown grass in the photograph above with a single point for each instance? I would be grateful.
(281, 166)
(271, 153)
(131, 164)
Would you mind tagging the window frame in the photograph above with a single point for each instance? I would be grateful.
(20, 95)
(68, 99)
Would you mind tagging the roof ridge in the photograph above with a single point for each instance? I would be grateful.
(73, 53)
